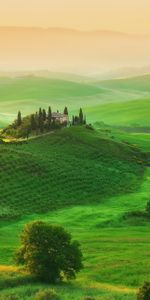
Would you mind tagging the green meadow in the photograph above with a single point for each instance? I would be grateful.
(89, 181)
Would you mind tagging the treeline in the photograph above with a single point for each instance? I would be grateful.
(41, 122)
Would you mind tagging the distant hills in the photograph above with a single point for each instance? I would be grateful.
(72, 51)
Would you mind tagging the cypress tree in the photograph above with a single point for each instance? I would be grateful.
(41, 123)
(37, 122)
(19, 119)
(73, 120)
(33, 122)
(49, 117)
(80, 116)
(66, 111)
(44, 115)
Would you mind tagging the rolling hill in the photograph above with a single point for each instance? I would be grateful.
(87, 181)
(139, 83)
(98, 99)
(69, 167)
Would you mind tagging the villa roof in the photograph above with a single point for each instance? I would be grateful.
(57, 115)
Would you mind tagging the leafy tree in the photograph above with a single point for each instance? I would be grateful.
(19, 119)
(48, 252)
(66, 111)
(81, 116)
(144, 292)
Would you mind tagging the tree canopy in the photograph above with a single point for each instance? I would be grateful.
(48, 252)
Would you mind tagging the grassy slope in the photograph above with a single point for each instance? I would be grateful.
(124, 113)
(71, 166)
(111, 246)
(140, 83)
(114, 252)
(28, 93)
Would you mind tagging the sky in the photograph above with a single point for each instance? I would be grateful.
(131, 16)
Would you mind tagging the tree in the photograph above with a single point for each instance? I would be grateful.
(81, 116)
(19, 119)
(48, 252)
(41, 123)
(44, 115)
(33, 122)
(49, 117)
(84, 121)
(73, 121)
(66, 111)
(144, 292)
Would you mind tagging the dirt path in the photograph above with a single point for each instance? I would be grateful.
(4, 268)
(106, 286)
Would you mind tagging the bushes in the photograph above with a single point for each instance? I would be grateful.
(47, 295)
(144, 292)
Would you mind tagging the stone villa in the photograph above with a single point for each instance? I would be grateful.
(59, 117)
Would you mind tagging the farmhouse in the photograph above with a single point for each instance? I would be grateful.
(59, 117)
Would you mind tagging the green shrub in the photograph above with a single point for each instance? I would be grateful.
(144, 292)
(47, 295)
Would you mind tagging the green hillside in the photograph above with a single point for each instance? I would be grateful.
(71, 166)
(104, 179)
(129, 113)
(86, 180)
(30, 92)
(139, 83)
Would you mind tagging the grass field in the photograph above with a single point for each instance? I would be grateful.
(115, 249)
(86, 180)
(129, 113)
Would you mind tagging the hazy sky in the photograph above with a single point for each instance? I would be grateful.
(121, 15)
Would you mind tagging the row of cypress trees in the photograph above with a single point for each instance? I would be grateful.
(40, 120)
(43, 120)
